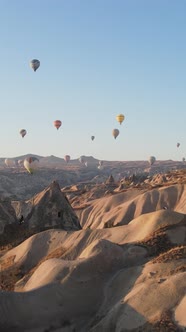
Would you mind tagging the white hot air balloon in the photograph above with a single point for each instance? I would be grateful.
(20, 162)
(152, 160)
(31, 164)
(9, 162)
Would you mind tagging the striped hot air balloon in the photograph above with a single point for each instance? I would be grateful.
(120, 118)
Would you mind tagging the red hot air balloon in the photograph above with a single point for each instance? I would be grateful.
(57, 124)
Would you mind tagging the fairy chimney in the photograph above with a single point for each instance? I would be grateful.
(51, 209)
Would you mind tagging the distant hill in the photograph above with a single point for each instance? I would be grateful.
(28, 155)
(51, 159)
(21, 157)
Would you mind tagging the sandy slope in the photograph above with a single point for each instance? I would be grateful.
(123, 207)
(114, 279)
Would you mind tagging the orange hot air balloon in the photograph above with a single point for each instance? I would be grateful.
(57, 124)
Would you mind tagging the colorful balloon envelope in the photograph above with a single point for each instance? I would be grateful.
(22, 132)
(31, 164)
(57, 124)
(115, 133)
(120, 118)
(34, 64)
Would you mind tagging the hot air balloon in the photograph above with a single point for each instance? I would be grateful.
(92, 138)
(31, 164)
(67, 158)
(34, 64)
(152, 160)
(22, 132)
(82, 160)
(57, 124)
(120, 118)
(20, 162)
(9, 162)
(115, 133)
(178, 144)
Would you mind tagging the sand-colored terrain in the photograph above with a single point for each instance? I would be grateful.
(120, 267)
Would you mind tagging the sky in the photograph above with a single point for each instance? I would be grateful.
(98, 58)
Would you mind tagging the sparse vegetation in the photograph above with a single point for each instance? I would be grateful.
(165, 324)
(157, 243)
(172, 254)
(11, 273)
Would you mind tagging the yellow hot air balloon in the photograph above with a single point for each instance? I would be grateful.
(120, 118)
(115, 133)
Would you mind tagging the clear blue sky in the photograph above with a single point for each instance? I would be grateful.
(98, 58)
